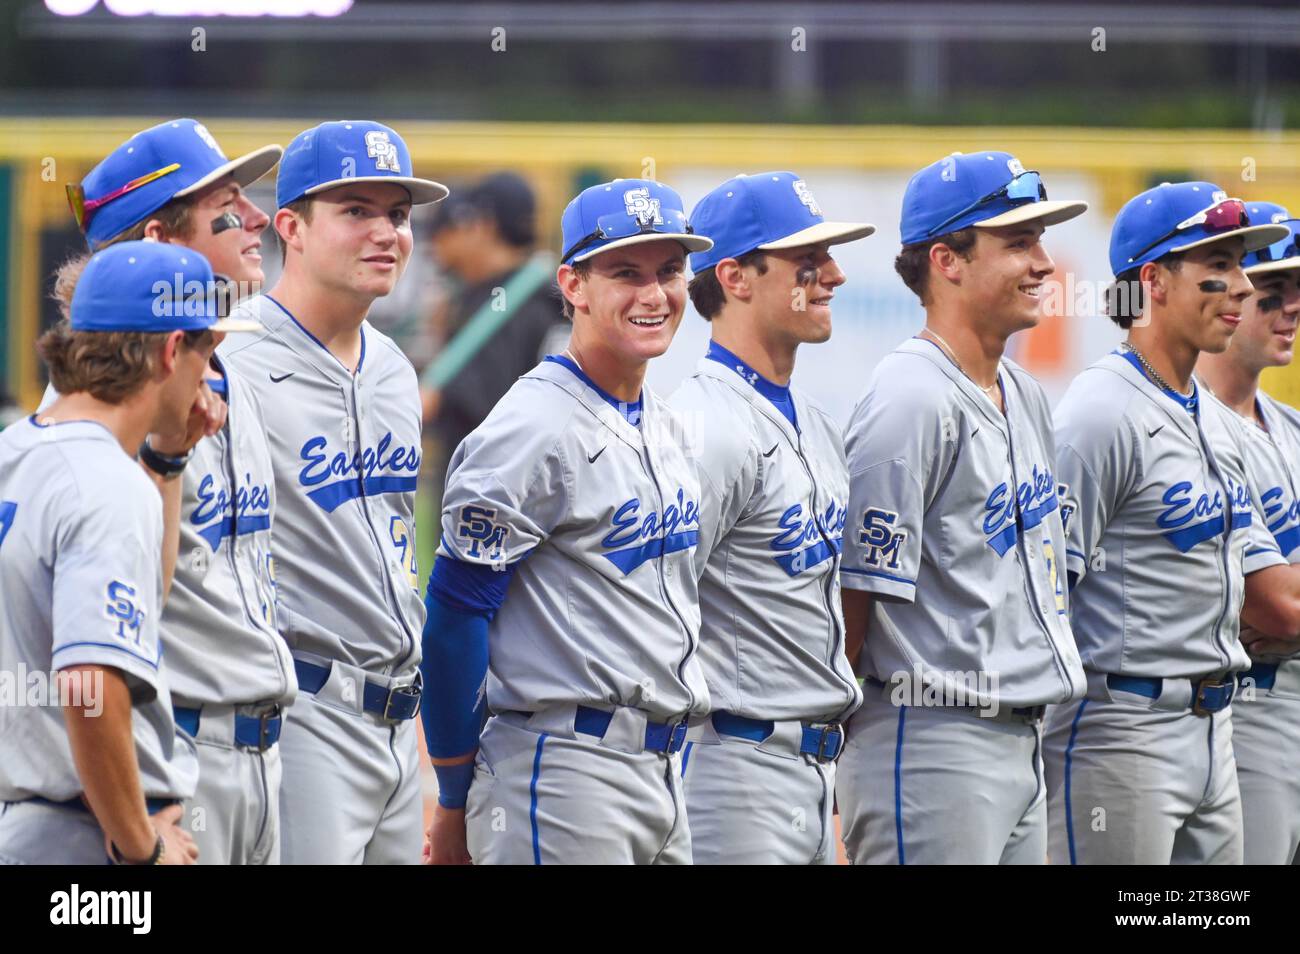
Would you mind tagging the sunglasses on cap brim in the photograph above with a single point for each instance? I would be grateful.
(1226, 216)
(620, 225)
(1026, 187)
(83, 209)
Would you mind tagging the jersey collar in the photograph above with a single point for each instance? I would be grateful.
(332, 358)
(1188, 402)
(769, 389)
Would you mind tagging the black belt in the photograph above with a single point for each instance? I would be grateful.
(152, 805)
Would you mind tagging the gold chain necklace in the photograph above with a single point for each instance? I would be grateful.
(952, 355)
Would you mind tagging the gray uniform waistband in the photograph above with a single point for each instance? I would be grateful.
(995, 712)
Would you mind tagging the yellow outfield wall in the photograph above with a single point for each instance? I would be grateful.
(46, 154)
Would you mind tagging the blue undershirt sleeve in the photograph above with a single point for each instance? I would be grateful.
(461, 600)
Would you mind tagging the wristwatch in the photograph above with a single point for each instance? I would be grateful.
(159, 852)
(163, 465)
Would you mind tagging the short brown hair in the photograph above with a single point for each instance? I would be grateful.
(111, 365)
(177, 218)
(583, 269)
(913, 262)
(301, 208)
(706, 291)
(177, 222)
(1126, 299)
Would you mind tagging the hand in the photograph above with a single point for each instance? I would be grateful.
(207, 416)
(444, 842)
(180, 848)
(1257, 644)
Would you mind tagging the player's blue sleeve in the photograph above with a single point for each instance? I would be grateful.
(461, 600)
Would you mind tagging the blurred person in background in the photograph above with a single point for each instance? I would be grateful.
(499, 315)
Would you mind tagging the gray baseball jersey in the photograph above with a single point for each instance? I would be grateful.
(1149, 483)
(602, 518)
(1266, 718)
(771, 522)
(345, 449)
(955, 521)
(219, 622)
(346, 452)
(80, 584)
(1164, 516)
(771, 629)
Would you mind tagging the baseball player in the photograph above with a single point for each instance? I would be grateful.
(760, 781)
(565, 574)
(1141, 770)
(342, 413)
(100, 767)
(953, 597)
(1266, 705)
(230, 669)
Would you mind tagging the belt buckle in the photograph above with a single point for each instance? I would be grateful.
(413, 689)
(676, 737)
(264, 727)
(822, 740)
(1203, 684)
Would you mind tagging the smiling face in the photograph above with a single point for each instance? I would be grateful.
(792, 298)
(1004, 277)
(632, 299)
(235, 253)
(356, 240)
(1266, 336)
(1198, 312)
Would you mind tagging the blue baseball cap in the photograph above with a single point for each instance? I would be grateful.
(334, 154)
(1284, 254)
(625, 212)
(164, 162)
(767, 211)
(1177, 216)
(148, 286)
(984, 189)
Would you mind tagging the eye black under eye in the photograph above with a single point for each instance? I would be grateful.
(1271, 303)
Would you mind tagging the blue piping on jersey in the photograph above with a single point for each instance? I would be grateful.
(120, 649)
(777, 395)
(883, 576)
(532, 800)
(302, 327)
(1069, 759)
(329, 497)
(1189, 403)
(630, 411)
(686, 757)
(898, 785)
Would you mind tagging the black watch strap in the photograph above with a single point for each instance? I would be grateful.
(162, 464)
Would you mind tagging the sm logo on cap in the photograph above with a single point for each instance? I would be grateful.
(641, 207)
(806, 197)
(382, 150)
